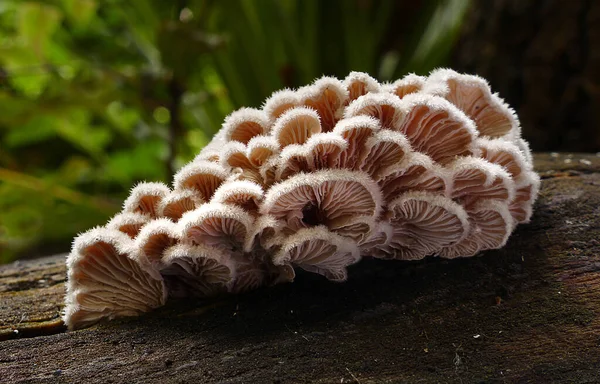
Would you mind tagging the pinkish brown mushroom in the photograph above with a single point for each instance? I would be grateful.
(129, 223)
(106, 282)
(145, 198)
(315, 179)
(318, 250)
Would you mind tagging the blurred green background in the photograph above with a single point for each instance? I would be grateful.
(96, 95)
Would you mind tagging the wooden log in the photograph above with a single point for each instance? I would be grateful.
(527, 313)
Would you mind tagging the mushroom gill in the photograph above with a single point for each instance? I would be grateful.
(316, 178)
(106, 282)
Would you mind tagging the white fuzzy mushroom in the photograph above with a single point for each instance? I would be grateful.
(106, 282)
(315, 179)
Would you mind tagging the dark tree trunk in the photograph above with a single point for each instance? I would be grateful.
(527, 313)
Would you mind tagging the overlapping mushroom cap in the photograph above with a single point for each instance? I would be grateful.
(316, 179)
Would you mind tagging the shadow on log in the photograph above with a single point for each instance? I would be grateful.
(527, 313)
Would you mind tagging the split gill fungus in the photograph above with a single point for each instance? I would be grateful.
(318, 178)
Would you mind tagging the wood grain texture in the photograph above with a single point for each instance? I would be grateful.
(527, 313)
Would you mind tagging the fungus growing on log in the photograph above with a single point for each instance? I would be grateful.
(317, 179)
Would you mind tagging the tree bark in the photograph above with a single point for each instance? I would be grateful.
(527, 313)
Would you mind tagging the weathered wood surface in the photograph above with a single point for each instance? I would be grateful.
(527, 313)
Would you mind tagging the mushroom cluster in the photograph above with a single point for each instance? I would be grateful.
(316, 179)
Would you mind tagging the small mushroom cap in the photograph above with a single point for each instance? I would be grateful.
(436, 127)
(318, 250)
(417, 172)
(329, 197)
(296, 125)
(178, 202)
(474, 178)
(105, 282)
(145, 198)
(360, 83)
(261, 148)
(491, 224)
(321, 151)
(203, 177)
(279, 102)
(197, 271)
(242, 193)
(251, 273)
(356, 131)
(424, 223)
(385, 107)
(129, 223)
(327, 96)
(218, 225)
(410, 83)
(473, 96)
(504, 153)
(244, 124)
(379, 239)
(527, 190)
(154, 238)
(382, 152)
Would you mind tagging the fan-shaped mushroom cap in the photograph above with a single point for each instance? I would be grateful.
(417, 172)
(327, 96)
(265, 231)
(242, 193)
(196, 270)
(473, 96)
(128, 222)
(490, 226)
(178, 202)
(360, 83)
(211, 155)
(244, 124)
(474, 178)
(423, 223)
(251, 273)
(329, 197)
(321, 151)
(234, 158)
(526, 193)
(202, 177)
(296, 125)
(279, 102)
(503, 153)
(357, 228)
(104, 282)
(525, 150)
(233, 155)
(385, 107)
(380, 237)
(324, 150)
(410, 83)
(436, 127)
(356, 131)
(382, 152)
(218, 225)
(318, 250)
(293, 159)
(154, 238)
(261, 148)
(145, 197)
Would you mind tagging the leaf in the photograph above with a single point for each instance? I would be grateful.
(36, 22)
(80, 12)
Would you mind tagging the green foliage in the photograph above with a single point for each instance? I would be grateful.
(97, 95)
